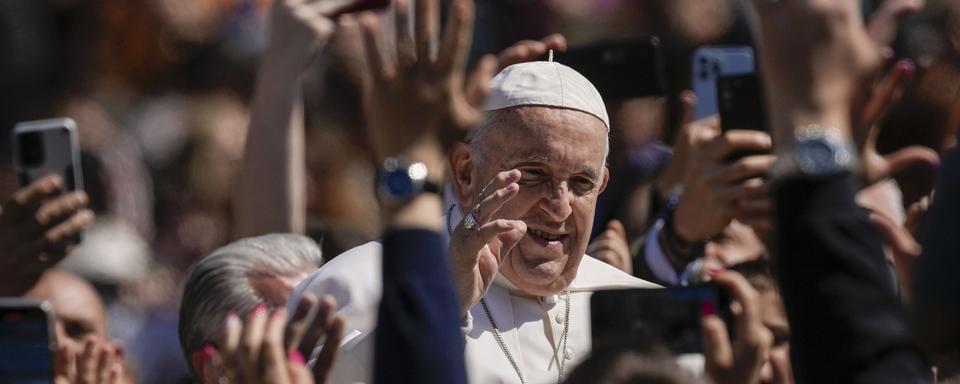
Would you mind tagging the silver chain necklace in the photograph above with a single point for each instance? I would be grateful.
(561, 354)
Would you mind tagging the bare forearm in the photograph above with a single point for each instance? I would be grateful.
(272, 191)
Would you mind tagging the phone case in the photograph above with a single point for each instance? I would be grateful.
(46, 147)
(711, 62)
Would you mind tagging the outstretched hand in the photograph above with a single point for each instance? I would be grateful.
(421, 91)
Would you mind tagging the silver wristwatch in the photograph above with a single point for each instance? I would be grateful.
(818, 153)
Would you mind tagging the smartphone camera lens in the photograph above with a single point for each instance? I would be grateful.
(31, 149)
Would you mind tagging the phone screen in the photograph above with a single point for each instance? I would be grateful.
(668, 317)
(25, 355)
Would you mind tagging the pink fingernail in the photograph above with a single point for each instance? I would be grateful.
(259, 309)
(208, 351)
(279, 312)
(296, 357)
(714, 272)
(906, 67)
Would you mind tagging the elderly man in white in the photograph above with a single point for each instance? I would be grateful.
(526, 184)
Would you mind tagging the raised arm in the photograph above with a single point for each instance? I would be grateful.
(272, 191)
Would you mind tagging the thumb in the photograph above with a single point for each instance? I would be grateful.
(903, 158)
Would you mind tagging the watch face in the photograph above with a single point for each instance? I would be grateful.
(819, 157)
(398, 183)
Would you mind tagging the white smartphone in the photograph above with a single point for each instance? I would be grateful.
(45, 147)
(711, 62)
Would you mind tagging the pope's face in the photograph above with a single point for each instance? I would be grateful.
(560, 155)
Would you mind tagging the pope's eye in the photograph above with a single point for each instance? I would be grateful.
(582, 185)
(532, 176)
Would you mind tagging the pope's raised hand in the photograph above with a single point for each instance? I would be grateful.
(479, 250)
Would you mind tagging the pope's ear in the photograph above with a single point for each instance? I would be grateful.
(461, 169)
(606, 178)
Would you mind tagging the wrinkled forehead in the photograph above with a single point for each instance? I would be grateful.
(545, 133)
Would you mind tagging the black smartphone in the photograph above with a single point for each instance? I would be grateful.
(667, 317)
(27, 341)
(620, 69)
(741, 105)
(45, 147)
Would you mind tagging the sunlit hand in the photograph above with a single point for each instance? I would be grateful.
(715, 191)
(253, 352)
(37, 227)
(871, 107)
(422, 91)
(299, 27)
(741, 361)
(478, 253)
(612, 247)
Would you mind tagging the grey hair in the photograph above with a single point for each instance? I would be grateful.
(220, 282)
(478, 139)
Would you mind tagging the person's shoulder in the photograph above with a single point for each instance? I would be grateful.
(595, 275)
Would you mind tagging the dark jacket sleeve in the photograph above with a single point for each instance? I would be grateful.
(846, 323)
(418, 337)
(936, 286)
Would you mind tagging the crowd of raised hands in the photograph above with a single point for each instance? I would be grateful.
(822, 65)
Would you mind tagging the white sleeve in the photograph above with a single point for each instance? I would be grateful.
(656, 259)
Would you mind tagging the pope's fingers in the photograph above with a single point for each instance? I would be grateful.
(473, 241)
(489, 207)
(501, 180)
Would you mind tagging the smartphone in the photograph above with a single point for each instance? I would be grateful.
(741, 107)
(712, 62)
(667, 317)
(620, 69)
(27, 341)
(45, 147)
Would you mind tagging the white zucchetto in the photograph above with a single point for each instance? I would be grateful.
(545, 83)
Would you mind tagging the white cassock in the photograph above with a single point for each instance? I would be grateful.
(531, 327)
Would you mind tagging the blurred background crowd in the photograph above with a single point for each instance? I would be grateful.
(161, 92)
